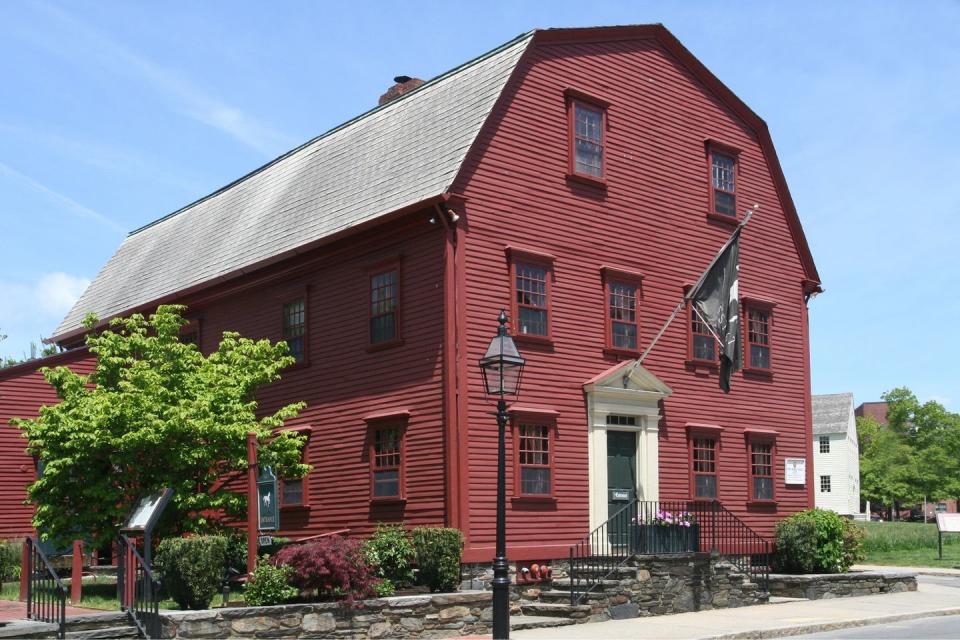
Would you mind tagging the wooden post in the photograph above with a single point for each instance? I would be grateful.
(76, 572)
(252, 511)
(24, 570)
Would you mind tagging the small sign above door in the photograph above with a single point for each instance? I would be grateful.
(620, 494)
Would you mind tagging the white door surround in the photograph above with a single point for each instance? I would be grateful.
(637, 396)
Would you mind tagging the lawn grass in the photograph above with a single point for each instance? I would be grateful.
(102, 594)
(908, 544)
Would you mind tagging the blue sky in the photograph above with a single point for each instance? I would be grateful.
(113, 114)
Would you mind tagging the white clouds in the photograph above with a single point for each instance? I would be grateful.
(48, 297)
(56, 293)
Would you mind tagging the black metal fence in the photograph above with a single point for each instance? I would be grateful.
(46, 593)
(666, 527)
(137, 590)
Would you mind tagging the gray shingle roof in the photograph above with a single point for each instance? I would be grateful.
(831, 412)
(393, 156)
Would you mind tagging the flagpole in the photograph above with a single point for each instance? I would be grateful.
(686, 296)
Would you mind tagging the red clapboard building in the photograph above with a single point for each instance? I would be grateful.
(579, 179)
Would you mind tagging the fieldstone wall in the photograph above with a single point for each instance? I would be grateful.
(428, 616)
(838, 585)
(661, 585)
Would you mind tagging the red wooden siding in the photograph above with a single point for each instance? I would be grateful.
(346, 379)
(23, 391)
(651, 218)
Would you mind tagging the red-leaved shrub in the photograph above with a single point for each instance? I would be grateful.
(331, 565)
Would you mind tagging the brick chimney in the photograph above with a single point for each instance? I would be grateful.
(404, 84)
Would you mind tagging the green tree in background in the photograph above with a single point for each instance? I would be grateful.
(155, 413)
(916, 456)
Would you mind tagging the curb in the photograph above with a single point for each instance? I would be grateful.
(796, 630)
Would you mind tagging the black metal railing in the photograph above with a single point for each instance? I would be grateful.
(46, 593)
(666, 527)
(137, 590)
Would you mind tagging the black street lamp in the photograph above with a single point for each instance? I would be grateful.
(502, 368)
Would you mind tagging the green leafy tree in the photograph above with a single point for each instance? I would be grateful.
(888, 469)
(155, 413)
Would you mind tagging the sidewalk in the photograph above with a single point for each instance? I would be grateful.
(771, 620)
(920, 571)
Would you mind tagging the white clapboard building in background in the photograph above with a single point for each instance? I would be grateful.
(836, 454)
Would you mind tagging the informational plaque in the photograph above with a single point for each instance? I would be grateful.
(948, 522)
(795, 470)
(147, 511)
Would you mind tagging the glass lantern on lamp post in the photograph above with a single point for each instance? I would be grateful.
(502, 368)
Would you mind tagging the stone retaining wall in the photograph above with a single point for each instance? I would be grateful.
(436, 616)
(662, 585)
(816, 586)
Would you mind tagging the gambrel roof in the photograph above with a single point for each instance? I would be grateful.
(831, 413)
(394, 156)
(397, 157)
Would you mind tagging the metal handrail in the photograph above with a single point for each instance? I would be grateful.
(46, 593)
(144, 606)
(666, 527)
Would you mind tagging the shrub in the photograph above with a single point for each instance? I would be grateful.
(332, 565)
(853, 536)
(192, 569)
(269, 585)
(815, 541)
(10, 559)
(383, 588)
(437, 551)
(390, 552)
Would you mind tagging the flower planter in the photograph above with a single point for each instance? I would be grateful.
(664, 538)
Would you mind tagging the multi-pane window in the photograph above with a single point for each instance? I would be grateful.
(704, 467)
(292, 492)
(622, 305)
(622, 421)
(723, 168)
(383, 306)
(824, 484)
(702, 343)
(294, 328)
(587, 140)
(758, 338)
(824, 444)
(531, 297)
(386, 458)
(761, 470)
(533, 460)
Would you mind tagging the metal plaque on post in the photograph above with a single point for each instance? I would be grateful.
(267, 507)
(144, 518)
(946, 523)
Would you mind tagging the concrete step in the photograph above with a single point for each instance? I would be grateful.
(564, 583)
(518, 623)
(107, 632)
(555, 595)
(555, 609)
(94, 621)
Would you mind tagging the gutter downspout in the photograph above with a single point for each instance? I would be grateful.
(451, 422)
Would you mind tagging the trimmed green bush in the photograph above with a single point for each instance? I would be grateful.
(192, 569)
(269, 585)
(437, 551)
(390, 551)
(853, 537)
(816, 541)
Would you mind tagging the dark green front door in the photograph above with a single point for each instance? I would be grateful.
(621, 480)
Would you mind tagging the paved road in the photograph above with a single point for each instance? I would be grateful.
(938, 628)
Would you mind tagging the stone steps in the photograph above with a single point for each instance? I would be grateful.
(565, 583)
(97, 621)
(127, 631)
(518, 623)
(555, 609)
